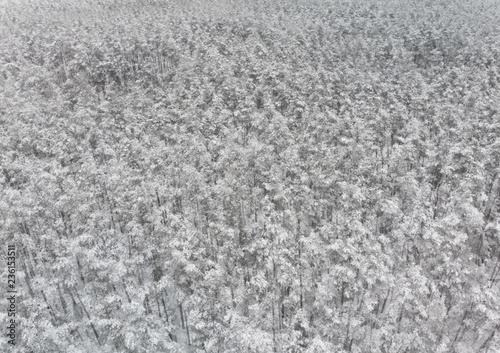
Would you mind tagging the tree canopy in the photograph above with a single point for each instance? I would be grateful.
(266, 176)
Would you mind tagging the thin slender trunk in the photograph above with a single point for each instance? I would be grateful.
(80, 269)
(187, 329)
(385, 301)
(346, 342)
(436, 203)
(61, 298)
(488, 340)
(48, 305)
(466, 313)
(126, 292)
(301, 294)
(158, 306)
(274, 331)
(147, 307)
(172, 337)
(495, 273)
(164, 308)
(27, 279)
(182, 316)
(88, 317)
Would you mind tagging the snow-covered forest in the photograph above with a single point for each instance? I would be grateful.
(251, 176)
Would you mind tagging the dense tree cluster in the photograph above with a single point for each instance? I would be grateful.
(270, 176)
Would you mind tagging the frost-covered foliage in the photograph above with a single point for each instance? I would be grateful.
(252, 176)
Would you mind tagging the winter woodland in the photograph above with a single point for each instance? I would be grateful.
(268, 176)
